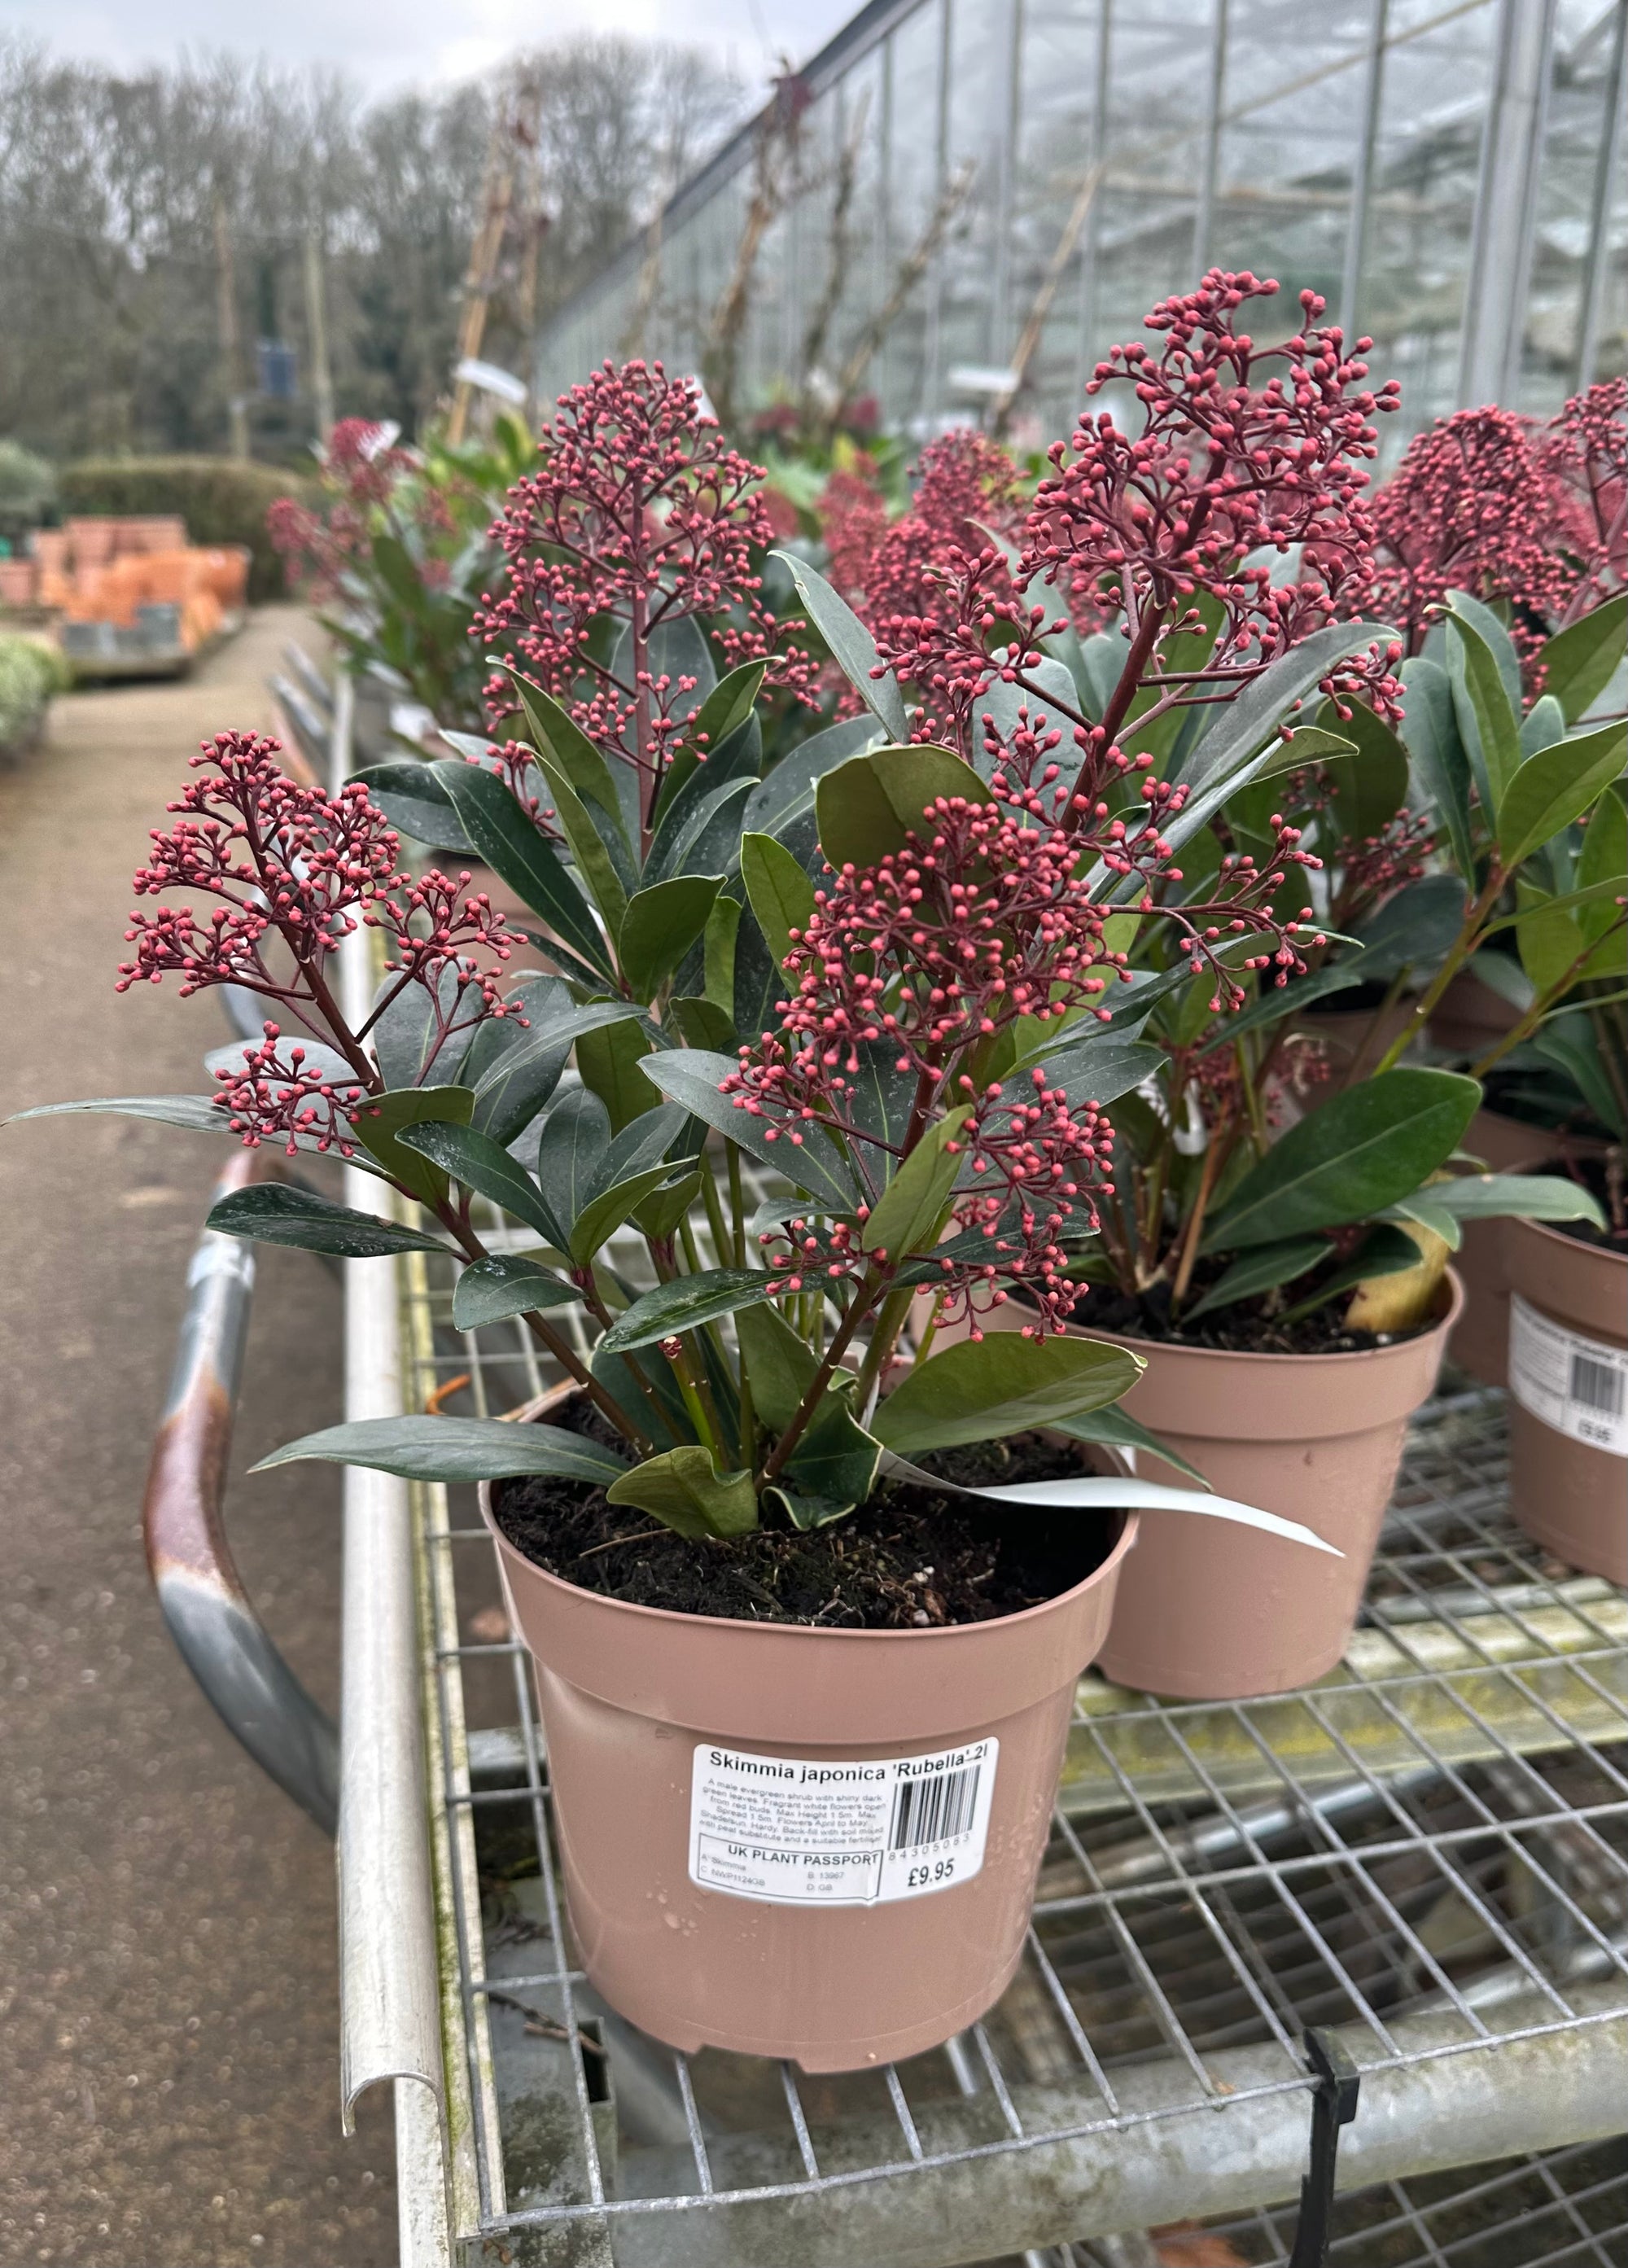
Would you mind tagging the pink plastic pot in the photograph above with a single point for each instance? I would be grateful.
(637, 1705)
(1211, 1612)
(1568, 1380)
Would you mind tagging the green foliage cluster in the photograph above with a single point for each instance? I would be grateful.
(31, 671)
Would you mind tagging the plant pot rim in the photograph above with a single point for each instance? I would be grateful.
(674, 1617)
(1451, 1285)
(1556, 1236)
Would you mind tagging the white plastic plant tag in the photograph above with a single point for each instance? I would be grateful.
(1575, 1384)
(831, 1831)
(1114, 1494)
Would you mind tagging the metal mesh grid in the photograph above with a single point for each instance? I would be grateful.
(1429, 1849)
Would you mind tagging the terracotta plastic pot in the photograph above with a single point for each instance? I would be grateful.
(765, 1756)
(1480, 1341)
(1356, 1038)
(1470, 1016)
(1207, 1611)
(1568, 1396)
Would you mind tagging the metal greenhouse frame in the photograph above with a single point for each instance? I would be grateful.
(957, 194)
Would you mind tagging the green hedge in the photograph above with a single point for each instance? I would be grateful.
(221, 500)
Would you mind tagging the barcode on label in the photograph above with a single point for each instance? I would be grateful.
(932, 1810)
(1596, 1385)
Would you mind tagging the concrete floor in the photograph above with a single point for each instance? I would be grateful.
(168, 2025)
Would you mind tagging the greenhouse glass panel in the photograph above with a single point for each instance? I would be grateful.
(1446, 174)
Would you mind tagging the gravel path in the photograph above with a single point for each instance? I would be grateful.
(168, 2027)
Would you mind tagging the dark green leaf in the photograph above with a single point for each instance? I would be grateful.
(502, 834)
(1243, 738)
(1414, 930)
(701, 1023)
(1518, 1196)
(982, 1390)
(1602, 867)
(199, 1114)
(852, 647)
(1114, 1428)
(1578, 662)
(604, 1213)
(414, 801)
(788, 792)
(1349, 1159)
(725, 709)
(575, 1137)
(414, 1035)
(380, 1120)
(693, 1078)
(833, 1467)
(649, 1139)
(514, 1065)
(515, 1076)
(1310, 745)
(869, 805)
(1384, 1251)
(613, 1062)
(782, 1366)
(717, 961)
(1440, 761)
(506, 1284)
(660, 925)
(684, 1490)
(1100, 1071)
(684, 1305)
(1494, 707)
(568, 747)
(599, 849)
(907, 1215)
(270, 1212)
(1569, 1043)
(1370, 787)
(454, 1449)
(781, 894)
(488, 1169)
(1551, 789)
(1544, 725)
(1260, 1270)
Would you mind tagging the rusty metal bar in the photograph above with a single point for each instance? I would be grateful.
(207, 1612)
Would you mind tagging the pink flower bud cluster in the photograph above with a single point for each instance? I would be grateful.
(1585, 457)
(294, 871)
(275, 1095)
(853, 520)
(363, 475)
(1242, 449)
(933, 954)
(282, 858)
(641, 511)
(1380, 864)
(1468, 509)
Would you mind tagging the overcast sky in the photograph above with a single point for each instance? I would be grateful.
(391, 42)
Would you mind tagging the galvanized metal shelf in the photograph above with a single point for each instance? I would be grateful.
(1427, 1852)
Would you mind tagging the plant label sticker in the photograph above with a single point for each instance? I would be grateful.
(1578, 1385)
(835, 1832)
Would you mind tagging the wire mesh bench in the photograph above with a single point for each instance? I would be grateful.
(1424, 1857)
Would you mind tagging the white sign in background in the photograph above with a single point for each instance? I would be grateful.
(825, 1831)
(1578, 1385)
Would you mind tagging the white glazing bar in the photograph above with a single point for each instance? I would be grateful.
(1505, 203)
(389, 1999)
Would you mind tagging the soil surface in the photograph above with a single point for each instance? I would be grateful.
(910, 1558)
(1247, 1327)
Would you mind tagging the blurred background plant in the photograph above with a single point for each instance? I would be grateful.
(27, 490)
(31, 669)
(395, 552)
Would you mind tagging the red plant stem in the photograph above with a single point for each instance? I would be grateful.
(864, 1301)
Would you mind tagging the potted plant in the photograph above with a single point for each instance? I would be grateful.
(807, 1612)
(1536, 829)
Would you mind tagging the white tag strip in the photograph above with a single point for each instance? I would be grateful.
(1578, 1385)
(830, 1831)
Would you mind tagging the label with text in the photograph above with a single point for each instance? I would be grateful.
(824, 1831)
(1578, 1385)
